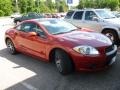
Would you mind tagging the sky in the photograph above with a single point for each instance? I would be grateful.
(75, 2)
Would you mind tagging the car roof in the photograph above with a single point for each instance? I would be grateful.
(43, 20)
(85, 9)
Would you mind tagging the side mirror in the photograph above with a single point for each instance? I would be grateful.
(95, 19)
(42, 34)
(32, 34)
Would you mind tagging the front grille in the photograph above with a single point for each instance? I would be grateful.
(111, 52)
(109, 49)
(111, 56)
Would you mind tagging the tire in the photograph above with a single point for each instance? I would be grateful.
(11, 47)
(63, 62)
(113, 36)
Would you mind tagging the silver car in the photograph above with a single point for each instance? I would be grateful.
(99, 20)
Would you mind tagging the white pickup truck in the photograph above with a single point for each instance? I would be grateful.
(99, 20)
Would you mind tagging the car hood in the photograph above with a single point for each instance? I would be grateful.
(85, 38)
(114, 21)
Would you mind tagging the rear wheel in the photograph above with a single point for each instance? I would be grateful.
(11, 47)
(113, 36)
(63, 62)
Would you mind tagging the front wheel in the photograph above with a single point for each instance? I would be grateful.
(113, 36)
(63, 62)
(11, 47)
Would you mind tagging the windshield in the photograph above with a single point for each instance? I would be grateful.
(105, 14)
(58, 26)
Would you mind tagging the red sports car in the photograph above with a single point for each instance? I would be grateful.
(56, 40)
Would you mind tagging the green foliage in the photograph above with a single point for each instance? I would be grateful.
(1, 13)
(112, 4)
(26, 6)
(43, 8)
(5, 7)
(30, 5)
(23, 6)
(63, 7)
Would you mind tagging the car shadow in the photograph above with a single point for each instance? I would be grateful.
(48, 78)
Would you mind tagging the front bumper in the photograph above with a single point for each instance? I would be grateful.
(96, 62)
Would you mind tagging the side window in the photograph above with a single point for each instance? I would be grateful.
(26, 27)
(34, 27)
(69, 14)
(78, 15)
(31, 27)
(40, 31)
(18, 27)
(89, 15)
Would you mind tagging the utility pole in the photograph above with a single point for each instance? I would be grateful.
(16, 1)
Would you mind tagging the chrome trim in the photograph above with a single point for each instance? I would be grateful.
(113, 51)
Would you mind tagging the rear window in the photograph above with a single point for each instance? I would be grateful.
(69, 14)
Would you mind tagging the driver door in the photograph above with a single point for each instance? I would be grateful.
(35, 45)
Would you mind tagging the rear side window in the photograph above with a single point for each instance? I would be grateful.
(78, 15)
(69, 14)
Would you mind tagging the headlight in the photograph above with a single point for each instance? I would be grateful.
(86, 50)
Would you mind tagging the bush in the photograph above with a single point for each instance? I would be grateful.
(1, 13)
(6, 7)
(112, 4)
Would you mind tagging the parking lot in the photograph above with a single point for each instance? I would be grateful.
(22, 72)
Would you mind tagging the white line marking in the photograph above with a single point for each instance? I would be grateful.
(30, 87)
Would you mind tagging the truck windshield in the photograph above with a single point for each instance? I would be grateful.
(105, 14)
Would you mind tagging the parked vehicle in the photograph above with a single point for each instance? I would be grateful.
(56, 40)
(99, 20)
(15, 15)
(48, 15)
(28, 16)
(116, 13)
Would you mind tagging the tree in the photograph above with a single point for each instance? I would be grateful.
(43, 8)
(50, 5)
(1, 13)
(5, 7)
(63, 7)
(30, 5)
(26, 6)
(23, 6)
(112, 4)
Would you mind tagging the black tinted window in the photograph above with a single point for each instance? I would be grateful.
(26, 27)
(32, 27)
(89, 15)
(69, 14)
(78, 15)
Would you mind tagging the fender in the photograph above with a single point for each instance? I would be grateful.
(111, 28)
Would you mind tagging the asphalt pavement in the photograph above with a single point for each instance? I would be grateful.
(22, 72)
